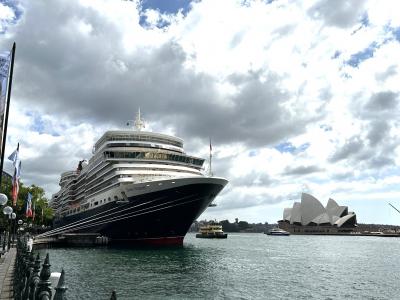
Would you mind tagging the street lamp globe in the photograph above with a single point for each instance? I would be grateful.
(3, 199)
(7, 210)
(20, 222)
(13, 215)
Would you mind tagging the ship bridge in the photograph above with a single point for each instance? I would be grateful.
(139, 139)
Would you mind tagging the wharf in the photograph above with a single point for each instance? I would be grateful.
(7, 264)
(71, 240)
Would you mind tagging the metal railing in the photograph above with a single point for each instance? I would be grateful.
(32, 279)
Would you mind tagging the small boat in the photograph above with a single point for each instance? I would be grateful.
(212, 231)
(277, 231)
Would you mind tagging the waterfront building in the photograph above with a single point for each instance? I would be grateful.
(309, 216)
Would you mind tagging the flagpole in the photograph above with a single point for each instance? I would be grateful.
(210, 170)
(7, 110)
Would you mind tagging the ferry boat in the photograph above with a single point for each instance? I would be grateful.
(212, 231)
(139, 187)
(277, 231)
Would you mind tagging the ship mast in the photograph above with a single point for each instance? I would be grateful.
(137, 124)
(209, 166)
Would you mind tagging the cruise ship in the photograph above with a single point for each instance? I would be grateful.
(139, 187)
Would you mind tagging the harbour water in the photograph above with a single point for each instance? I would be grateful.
(244, 266)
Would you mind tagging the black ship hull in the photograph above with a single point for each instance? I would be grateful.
(157, 218)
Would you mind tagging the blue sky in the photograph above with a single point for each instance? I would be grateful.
(169, 7)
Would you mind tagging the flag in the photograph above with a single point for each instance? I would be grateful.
(19, 170)
(6, 74)
(14, 157)
(15, 187)
(5, 62)
(15, 184)
(33, 211)
(28, 211)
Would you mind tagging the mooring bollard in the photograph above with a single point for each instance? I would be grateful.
(61, 288)
(113, 296)
(43, 291)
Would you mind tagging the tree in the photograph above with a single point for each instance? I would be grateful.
(38, 198)
(243, 225)
(229, 227)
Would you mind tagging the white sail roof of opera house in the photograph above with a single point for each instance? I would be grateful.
(310, 211)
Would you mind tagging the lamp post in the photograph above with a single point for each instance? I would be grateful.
(3, 201)
(8, 211)
(13, 217)
(20, 222)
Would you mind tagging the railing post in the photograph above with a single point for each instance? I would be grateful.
(43, 291)
(113, 296)
(28, 275)
(61, 288)
(35, 278)
(23, 266)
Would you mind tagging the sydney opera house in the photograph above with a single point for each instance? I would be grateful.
(310, 217)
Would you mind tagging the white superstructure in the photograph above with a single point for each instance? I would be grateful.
(125, 163)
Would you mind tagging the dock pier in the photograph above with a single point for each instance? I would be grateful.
(7, 263)
(71, 240)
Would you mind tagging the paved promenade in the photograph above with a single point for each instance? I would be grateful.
(7, 263)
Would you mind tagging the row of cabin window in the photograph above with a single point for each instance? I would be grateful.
(144, 138)
(103, 201)
(92, 204)
(156, 156)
